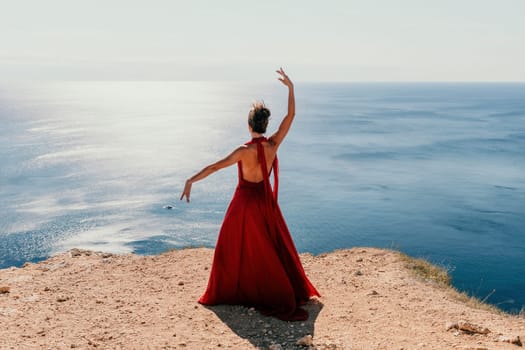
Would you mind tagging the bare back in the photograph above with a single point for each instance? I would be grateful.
(251, 169)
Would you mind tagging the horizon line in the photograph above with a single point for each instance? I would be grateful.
(43, 80)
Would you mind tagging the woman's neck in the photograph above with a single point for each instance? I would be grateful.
(256, 135)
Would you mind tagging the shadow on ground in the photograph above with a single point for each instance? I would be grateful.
(263, 331)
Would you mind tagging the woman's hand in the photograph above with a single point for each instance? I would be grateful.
(186, 192)
(284, 78)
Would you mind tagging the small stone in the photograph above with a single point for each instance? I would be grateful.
(75, 252)
(106, 255)
(513, 340)
(62, 298)
(73, 346)
(4, 289)
(468, 327)
(373, 293)
(305, 341)
(451, 325)
(275, 347)
(358, 273)
(181, 283)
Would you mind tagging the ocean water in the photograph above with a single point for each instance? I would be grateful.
(434, 170)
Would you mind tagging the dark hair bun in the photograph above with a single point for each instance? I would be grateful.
(258, 117)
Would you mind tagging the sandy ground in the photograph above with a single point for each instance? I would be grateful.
(370, 300)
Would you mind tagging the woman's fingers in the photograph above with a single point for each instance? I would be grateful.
(186, 192)
(284, 78)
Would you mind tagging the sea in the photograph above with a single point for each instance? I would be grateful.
(435, 170)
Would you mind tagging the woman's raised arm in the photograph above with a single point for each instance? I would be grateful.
(280, 134)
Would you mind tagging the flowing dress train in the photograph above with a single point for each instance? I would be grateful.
(255, 261)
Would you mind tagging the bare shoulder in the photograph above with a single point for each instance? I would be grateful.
(236, 154)
(241, 150)
(272, 142)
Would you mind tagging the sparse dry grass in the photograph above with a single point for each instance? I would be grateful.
(475, 302)
(425, 270)
(438, 275)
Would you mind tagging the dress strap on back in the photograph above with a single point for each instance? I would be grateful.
(275, 167)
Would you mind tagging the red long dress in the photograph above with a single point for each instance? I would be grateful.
(255, 261)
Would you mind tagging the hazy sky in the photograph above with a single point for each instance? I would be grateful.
(366, 40)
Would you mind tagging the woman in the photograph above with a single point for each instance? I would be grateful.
(255, 261)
